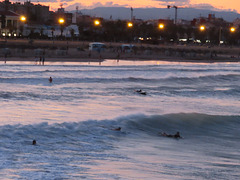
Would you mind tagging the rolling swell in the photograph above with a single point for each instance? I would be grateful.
(189, 124)
(176, 79)
(206, 78)
(83, 137)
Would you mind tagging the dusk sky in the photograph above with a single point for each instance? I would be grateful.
(229, 5)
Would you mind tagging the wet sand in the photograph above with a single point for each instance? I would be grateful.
(77, 51)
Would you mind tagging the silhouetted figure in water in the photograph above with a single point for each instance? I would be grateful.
(40, 60)
(43, 59)
(50, 79)
(34, 142)
(177, 135)
(141, 92)
(5, 56)
(117, 129)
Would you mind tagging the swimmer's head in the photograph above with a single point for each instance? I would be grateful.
(34, 142)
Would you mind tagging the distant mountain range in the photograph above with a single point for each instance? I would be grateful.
(157, 13)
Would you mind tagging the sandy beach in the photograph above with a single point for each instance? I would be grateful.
(77, 51)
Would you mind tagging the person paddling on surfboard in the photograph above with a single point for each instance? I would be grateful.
(117, 129)
(177, 135)
(141, 92)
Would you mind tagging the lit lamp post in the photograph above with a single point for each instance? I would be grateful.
(161, 26)
(61, 22)
(97, 23)
(129, 24)
(202, 28)
(23, 20)
(232, 32)
(96, 29)
(232, 29)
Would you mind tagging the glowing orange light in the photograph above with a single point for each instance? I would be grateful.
(161, 26)
(232, 29)
(23, 18)
(61, 20)
(130, 24)
(202, 28)
(96, 22)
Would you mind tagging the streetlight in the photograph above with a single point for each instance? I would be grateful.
(232, 29)
(232, 34)
(131, 13)
(23, 18)
(130, 24)
(61, 22)
(161, 26)
(130, 27)
(97, 22)
(176, 8)
(96, 28)
(202, 28)
(203, 33)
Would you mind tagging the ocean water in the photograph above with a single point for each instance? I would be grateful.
(72, 120)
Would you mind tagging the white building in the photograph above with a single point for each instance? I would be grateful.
(12, 24)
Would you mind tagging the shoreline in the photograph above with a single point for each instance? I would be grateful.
(77, 51)
(165, 59)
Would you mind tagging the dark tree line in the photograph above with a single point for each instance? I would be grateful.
(144, 32)
(118, 31)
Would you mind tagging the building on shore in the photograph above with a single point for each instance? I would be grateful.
(35, 13)
(10, 23)
(61, 13)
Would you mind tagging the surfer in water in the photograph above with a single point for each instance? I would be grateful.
(34, 142)
(177, 135)
(117, 129)
(50, 79)
(141, 92)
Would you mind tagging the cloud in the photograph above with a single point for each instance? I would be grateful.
(107, 4)
(203, 6)
(64, 4)
(174, 2)
(73, 6)
(37, 1)
(93, 5)
(211, 7)
(187, 4)
(66, 1)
